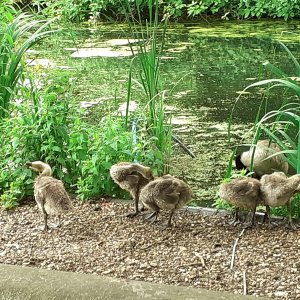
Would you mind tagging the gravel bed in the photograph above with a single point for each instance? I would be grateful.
(197, 251)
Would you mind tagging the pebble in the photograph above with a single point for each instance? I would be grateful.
(280, 294)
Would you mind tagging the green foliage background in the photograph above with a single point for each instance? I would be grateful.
(113, 9)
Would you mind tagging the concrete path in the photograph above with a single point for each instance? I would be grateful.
(22, 283)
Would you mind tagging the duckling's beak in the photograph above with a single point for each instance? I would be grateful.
(28, 164)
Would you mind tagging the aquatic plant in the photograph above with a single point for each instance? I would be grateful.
(150, 37)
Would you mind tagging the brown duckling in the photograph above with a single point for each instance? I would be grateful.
(262, 163)
(49, 193)
(242, 192)
(166, 192)
(131, 177)
(277, 189)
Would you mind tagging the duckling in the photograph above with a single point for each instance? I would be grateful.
(49, 193)
(166, 192)
(242, 192)
(277, 190)
(262, 163)
(131, 177)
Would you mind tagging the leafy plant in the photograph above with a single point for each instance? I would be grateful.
(82, 10)
(78, 11)
(18, 33)
(48, 125)
(109, 144)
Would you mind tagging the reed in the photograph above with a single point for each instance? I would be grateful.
(150, 36)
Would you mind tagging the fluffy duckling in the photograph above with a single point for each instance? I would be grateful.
(49, 193)
(262, 163)
(166, 192)
(277, 190)
(242, 192)
(131, 177)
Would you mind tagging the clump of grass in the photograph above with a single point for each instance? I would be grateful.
(150, 36)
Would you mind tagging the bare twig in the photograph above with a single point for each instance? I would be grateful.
(201, 262)
(155, 243)
(201, 259)
(183, 146)
(233, 249)
(190, 265)
(245, 282)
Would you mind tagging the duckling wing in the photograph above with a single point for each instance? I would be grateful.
(142, 171)
(56, 199)
(39, 189)
(276, 189)
(170, 198)
(120, 174)
(132, 179)
(180, 188)
(39, 199)
(246, 188)
(167, 191)
(166, 186)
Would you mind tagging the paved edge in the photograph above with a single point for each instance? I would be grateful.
(18, 282)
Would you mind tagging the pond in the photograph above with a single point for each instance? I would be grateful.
(207, 65)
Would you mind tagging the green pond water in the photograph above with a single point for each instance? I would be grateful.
(207, 64)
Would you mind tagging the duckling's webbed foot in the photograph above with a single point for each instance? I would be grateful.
(272, 224)
(132, 214)
(135, 213)
(152, 217)
(57, 224)
(267, 218)
(235, 221)
(251, 223)
(291, 225)
(136, 205)
(44, 228)
(165, 226)
(248, 225)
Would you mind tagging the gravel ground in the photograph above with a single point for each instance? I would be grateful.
(98, 238)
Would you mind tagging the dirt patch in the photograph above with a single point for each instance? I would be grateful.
(196, 251)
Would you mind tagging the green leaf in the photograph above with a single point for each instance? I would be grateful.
(56, 148)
